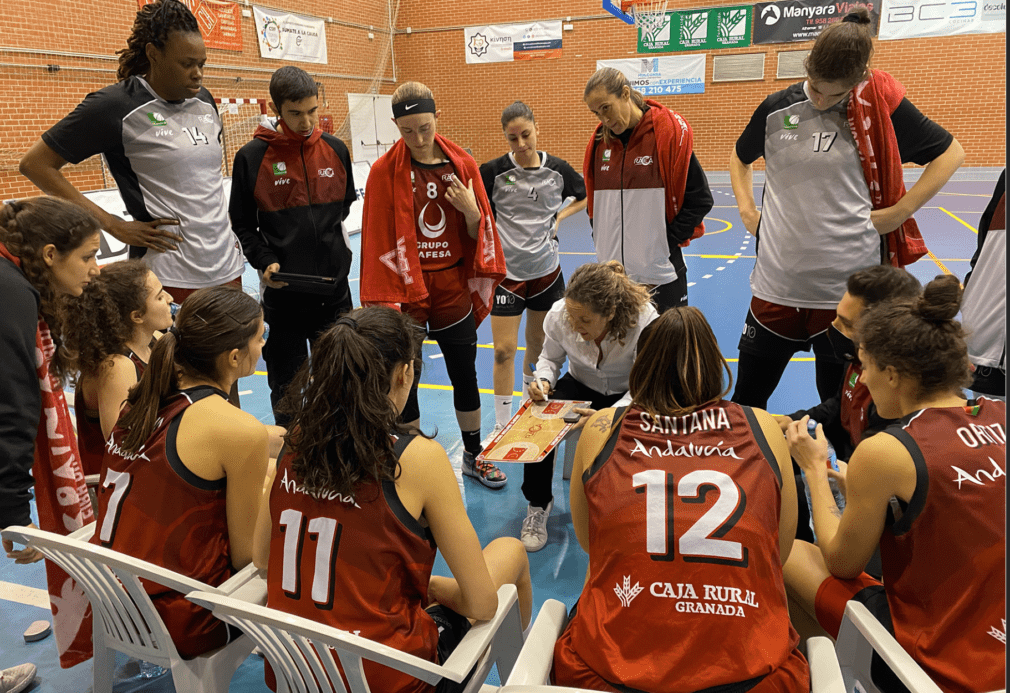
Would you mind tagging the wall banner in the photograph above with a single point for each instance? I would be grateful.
(672, 74)
(218, 20)
(789, 21)
(693, 30)
(903, 19)
(504, 43)
(287, 36)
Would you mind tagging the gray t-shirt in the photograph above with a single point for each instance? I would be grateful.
(815, 225)
(166, 159)
(526, 202)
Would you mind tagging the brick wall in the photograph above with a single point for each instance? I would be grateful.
(958, 81)
(35, 98)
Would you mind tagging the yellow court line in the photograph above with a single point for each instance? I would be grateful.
(938, 263)
(958, 219)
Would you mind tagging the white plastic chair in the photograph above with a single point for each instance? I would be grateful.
(859, 635)
(293, 644)
(825, 673)
(571, 442)
(533, 667)
(125, 619)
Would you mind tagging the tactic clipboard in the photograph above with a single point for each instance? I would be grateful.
(535, 430)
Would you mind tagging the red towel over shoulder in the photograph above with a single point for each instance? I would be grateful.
(869, 112)
(674, 145)
(390, 267)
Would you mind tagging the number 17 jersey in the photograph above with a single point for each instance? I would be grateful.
(685, 587)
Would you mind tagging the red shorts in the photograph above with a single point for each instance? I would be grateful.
(512, 297)
(448, 300)
(179, 295)
(792, 676)
(772, 329)
(832, 596)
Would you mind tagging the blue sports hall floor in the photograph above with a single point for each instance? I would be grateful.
(719, 266)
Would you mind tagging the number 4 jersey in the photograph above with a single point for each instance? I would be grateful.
(360, 564)
(685, 588)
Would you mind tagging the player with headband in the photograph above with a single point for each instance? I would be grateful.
(430, 249)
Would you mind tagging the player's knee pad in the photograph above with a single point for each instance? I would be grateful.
(460, 362)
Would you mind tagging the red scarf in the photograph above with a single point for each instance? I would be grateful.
(869, 112)
(61, 498)
(674, 145)
(390, 267)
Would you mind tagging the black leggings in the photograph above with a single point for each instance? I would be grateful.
(537, 477)
(758, 376)
(459, 347)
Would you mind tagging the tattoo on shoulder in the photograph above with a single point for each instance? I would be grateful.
(602, 424)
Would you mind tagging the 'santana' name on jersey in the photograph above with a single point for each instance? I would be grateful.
(292, 486)
(706, 420)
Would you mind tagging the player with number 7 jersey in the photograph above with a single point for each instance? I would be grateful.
(685, 518)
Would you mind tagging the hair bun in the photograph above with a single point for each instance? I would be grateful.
(940, 300)
(615, 266)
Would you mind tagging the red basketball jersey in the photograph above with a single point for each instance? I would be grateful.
(441, 229)
(360, 564)
(90, 440)
(685, 589)
(153, 508)
(944, 559)
(855, 403)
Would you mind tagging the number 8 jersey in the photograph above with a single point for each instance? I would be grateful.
(685, 587)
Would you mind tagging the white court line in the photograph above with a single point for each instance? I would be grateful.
(691, 283)
(707, 276)
(436, 356)
(31, 596)
(719, 269)
(245, 392)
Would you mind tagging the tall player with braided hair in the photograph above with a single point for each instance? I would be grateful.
(112, 334)
(159, 131)
(930, 490)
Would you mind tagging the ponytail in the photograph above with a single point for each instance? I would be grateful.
(842, 52)
(614, 81)
(211, 322)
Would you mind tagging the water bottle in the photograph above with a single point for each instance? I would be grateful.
(835, 491)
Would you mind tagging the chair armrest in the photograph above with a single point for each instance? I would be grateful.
(240, 578)
(825, 674)
(84, 533)
(534, 664)
(251, 588)
(93, 479)
(476, 641)
(860, 627)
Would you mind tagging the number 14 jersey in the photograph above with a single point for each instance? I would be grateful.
(685, 587)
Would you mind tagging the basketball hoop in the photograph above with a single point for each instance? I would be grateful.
(649, 15)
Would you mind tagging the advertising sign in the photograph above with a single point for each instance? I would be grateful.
(218, 20)
(901, 19)
(287, 36)
(504, 43)
(671, 74)
(802, 20)
(694, 30)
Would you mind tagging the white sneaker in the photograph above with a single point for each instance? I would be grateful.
(490, 436)
(17, 679)
(534, 532)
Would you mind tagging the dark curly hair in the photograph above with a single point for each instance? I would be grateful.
(101, 325)
(26, 227)
(342, 416)
(211, 322)
(153, 25)
(604, 288)
(920, 338)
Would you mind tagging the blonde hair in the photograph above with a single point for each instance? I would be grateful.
(605, 288)
(614, 81)
(411, 90)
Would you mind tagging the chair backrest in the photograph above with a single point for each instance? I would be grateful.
(298, 648)
(858, 637)
(111, 581)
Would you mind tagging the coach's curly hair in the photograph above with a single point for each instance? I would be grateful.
(920, 338)
(342, 416)
(102, 323)
(26, 227)
(605, 288)
(153, 24)
(211, 322)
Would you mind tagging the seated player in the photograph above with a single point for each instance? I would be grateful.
(184, 469)
(430, 249)
(112, 331)
(680, 502)
(596, 327)
(359, 504)
(929, 490)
